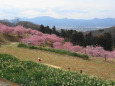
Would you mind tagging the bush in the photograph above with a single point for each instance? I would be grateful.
(56, 51)
(22, 45)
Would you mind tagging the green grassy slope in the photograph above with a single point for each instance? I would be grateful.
(96, 67)
(29, 73)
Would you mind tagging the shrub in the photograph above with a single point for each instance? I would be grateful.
(22, 45)
(56, 51)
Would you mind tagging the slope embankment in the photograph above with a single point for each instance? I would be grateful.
(6, 39)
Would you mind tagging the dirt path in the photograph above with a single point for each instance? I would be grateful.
(4, 82)
(52, 66)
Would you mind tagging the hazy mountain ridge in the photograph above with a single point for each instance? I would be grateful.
(78, 24)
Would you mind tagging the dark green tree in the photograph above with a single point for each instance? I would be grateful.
(88, 39)
(48, 30)
(105, 41)
(80, 39)
(42, 28)
(63, 33)
(54, 30)
(73, 37)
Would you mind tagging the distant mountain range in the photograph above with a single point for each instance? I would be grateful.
(78, 24)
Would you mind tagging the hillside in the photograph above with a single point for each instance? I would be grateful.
(110, 30)
(6, 39)
(28, 73)
(94, 66)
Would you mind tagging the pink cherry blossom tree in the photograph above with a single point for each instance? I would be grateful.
(53, 38)
(67, 45)
(76, 48)
(96, 52)
(57, 45)
(112, 54)
(19, 30)
(5, 29)
(35, 40)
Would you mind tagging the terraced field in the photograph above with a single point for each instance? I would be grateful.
(96, 67)
(28, 73)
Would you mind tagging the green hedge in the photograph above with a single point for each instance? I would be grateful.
(27, 73)
(55, 50)
(22, 45)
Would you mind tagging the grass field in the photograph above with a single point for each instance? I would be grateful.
(96, 67)
(28, 73)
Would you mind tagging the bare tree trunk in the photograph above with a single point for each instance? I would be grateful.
(105, 58)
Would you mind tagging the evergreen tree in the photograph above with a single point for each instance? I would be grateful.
(42, 28)
(48, 30)
(105, 41)
(63, 33)
(80, 39)
(53, 30)
(88, 39)
(73, 38)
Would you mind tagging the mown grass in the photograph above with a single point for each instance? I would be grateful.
(96, 67)
(86, 57)
(28, 73)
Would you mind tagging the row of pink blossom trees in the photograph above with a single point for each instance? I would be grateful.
(34, 36)
(18, 30)
(37, 38)
(44, 39)
(94, 51)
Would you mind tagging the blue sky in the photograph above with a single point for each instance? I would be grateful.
(74, 9)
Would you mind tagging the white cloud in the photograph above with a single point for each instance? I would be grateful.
(29, 13)
(58, 8)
